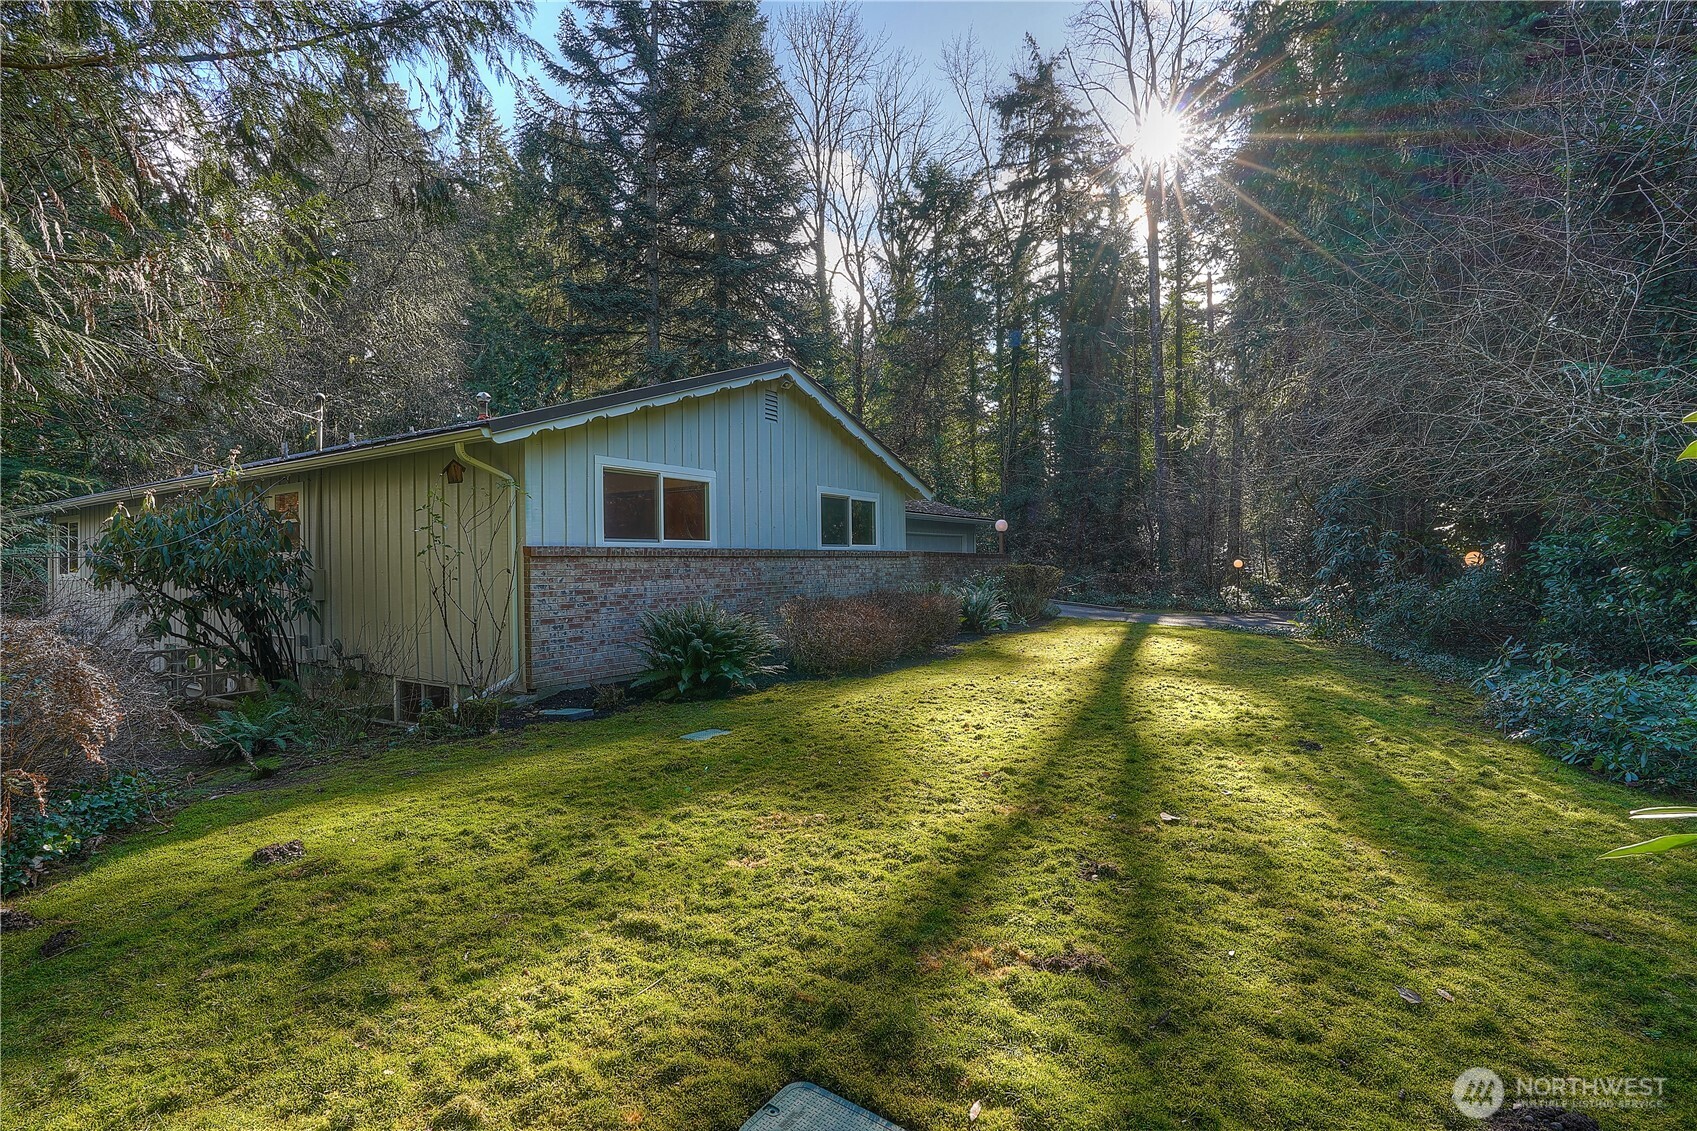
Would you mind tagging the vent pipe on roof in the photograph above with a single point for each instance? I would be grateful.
(319, 400)
(482, 400)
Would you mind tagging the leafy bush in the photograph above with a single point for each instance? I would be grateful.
(66, 826)
(58, 707)
(831, 635)
(1633, 724)
(1028, 589)
(477, 714)
(702, 649)
(480, 714)
(1474, 613)
(1625, 589)
(214, 568)
(256, 726)
(982, 607)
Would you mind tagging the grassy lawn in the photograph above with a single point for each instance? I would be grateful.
(946, 883)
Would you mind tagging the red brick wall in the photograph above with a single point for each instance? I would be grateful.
(582, 604)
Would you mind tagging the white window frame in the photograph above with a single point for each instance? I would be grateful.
(300, 512)
(59, 548)
(604, 464)
(872, 497)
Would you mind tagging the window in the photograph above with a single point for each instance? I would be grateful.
(413, 699)
(847, 519)
(658, 506)
(286, 507)
(69, 548)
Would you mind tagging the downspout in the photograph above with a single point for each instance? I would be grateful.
(512, 556)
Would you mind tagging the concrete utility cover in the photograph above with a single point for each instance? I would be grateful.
(567, 712)
(703, 735)
(808, 1107)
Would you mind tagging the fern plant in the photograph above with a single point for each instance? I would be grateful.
(703, 649)
(256, 726)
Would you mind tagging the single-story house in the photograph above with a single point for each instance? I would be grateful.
(555, 528)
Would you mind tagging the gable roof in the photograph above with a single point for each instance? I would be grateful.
(520, 425)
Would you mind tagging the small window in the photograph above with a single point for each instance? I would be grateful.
(845, 520)
(413, 699)
(69, 548)
(286, 507)
(653, 506)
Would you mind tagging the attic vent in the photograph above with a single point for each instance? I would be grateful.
(769, 406)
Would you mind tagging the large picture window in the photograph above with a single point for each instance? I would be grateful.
(847, 519)
(654, 506)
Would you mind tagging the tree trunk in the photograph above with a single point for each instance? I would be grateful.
(1157, 383)
(651, 161)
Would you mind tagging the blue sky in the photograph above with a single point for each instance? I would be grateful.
(922, 27)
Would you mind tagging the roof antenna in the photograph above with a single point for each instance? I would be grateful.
(482, 399)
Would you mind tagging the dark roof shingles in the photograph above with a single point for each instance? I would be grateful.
(943, 510)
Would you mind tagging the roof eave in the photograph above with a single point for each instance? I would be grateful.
(737, 380)
(288, 465)
(962, 519)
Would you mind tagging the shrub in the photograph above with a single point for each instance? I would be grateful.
(1624, 589)
(831, 635)
(1476, 612)
(215, 569)
(58, 708)
(256, 726)
(480, 714)
(982, 607)
(1633, 724)
(62, 829)
(609, 697)
(702, 649)
(1029, 588)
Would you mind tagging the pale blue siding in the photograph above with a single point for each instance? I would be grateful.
(767, 474)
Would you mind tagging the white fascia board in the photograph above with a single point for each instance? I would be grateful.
(799, 379)
(286, 467)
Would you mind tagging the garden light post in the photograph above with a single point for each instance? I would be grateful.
(1002, 536)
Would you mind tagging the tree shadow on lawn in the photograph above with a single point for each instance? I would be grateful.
(1335, 883)
(365, 953)
(597, 923)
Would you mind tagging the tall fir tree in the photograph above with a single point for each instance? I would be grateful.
(676, 183)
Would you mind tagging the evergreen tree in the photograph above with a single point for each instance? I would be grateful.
(677, 187)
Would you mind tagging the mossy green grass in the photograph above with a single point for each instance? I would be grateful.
(947, 883)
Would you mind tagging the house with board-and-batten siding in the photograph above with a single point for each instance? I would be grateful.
(561, 525)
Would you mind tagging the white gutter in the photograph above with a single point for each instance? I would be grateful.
(512, 556)
(264, 469)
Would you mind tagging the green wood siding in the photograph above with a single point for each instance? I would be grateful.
(361, 522)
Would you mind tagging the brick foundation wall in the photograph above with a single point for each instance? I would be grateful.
(582, 603)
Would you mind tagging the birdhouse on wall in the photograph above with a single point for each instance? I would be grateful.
(454, 472)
